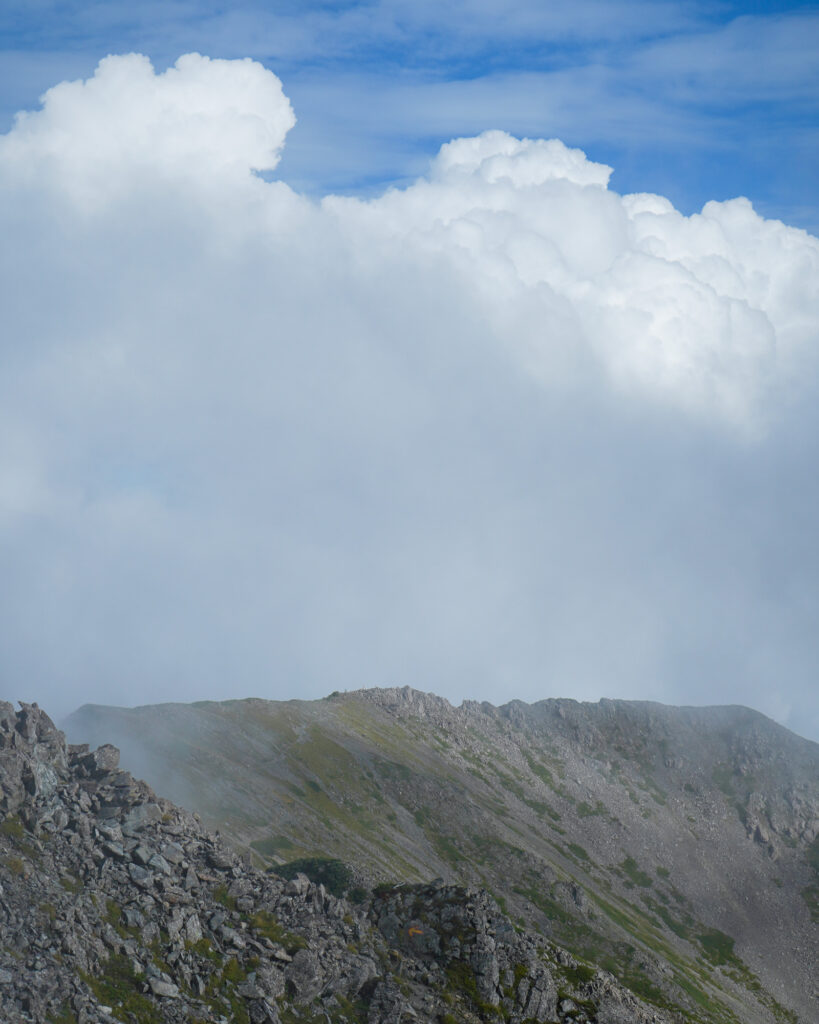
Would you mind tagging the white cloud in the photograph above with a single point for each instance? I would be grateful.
(501, 432)
(202, 117)
(705, 312)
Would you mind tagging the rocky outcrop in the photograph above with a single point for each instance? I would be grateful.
(116, 905)
(678, 846)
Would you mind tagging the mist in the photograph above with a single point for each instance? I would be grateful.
(501, 433)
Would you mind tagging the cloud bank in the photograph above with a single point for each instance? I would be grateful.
(500, 433)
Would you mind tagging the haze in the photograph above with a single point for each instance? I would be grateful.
(502, 431)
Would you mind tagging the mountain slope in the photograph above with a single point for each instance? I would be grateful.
(115, 905)
(677, 847)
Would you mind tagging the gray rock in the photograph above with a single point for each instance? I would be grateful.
(140, 876)
(104, 759)
(303, 976)
(165, 989)
(173, 853)
(140, 816)
(158, 863)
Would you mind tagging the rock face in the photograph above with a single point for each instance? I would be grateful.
(115, 905)
(679, 847)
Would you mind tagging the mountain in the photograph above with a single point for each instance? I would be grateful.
(675, 848)
(116, 905)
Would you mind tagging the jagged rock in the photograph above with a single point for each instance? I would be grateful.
(101, 914)
(603, 826)
(303, 977)
(173, 853)
(102, 760)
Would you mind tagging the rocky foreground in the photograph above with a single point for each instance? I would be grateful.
(116, 905)
(678, 848)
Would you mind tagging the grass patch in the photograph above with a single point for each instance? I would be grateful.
(271, 846)
(266, 925)
(717, 947)
(631, 869)
(541, 771)
(221, 895)
(461, 979)
(15, 865)
(12, 827)
(118, 987)
(585, 810)
(810, 895)
(580, 974)
(813, 857)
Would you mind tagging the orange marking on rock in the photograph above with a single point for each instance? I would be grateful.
(416, 931)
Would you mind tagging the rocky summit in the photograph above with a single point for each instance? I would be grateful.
(677, 848)
(117, 905)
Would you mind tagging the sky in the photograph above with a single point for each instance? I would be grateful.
(353, 345)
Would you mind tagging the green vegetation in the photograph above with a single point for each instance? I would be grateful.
(49, 910)
(272, 846)
(813, 857)
(266, 925)
(221, 895)
(717, 947)
(461, 979)
(630, 868)
(333, 874)
(810, 894)
(579, 975)
(63, 1016)
(119, 987)
(541, 771)
(13, 827)
(586, 810)
(221, 994)
(680, 928)
(445, 848)
(15, 865)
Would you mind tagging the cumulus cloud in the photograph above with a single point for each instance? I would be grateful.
(502, 432)
(202, 117)
(705, 312)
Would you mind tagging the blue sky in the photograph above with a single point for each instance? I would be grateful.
(695, 101)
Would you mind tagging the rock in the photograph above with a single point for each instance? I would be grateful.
(173, 853)
(158, 863)
(103, 901)
(102, 760)
(165, 989)
(140, 876)
(298, 886)
(140, 816)
(303, 976)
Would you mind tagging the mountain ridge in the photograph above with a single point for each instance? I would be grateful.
(634, 833)
(117, 906)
